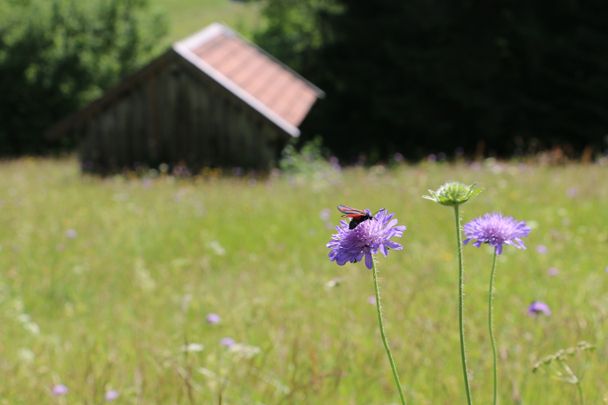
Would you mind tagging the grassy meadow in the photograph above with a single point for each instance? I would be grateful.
(185, 17)
(105, 284)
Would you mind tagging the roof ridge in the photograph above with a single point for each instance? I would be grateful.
(193, 50)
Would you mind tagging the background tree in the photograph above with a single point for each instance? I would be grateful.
(425, 76)
(56, 55)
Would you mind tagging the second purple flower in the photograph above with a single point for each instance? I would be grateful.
(496, 230)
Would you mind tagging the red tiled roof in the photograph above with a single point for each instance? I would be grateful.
(264, 83)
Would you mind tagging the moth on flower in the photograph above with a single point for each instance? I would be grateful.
(368, 235)
(356, 216)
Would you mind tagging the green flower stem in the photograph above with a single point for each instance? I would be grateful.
(461, 306)
(491, 326)
(580, 393)
(383, 334)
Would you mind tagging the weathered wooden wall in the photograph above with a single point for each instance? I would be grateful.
(176, 115)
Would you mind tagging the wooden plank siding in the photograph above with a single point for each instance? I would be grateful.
(177, 117)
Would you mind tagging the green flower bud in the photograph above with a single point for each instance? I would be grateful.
(453, 193)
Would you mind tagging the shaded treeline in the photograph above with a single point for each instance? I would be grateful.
(415, 77)
(424, 76)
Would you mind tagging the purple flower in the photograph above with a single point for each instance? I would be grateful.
(213, 319)
(227, 342)
(496, 230)
(71, 233)
(325, 214)
(111, 395)
(59, 390)
(542, 249)
(572, 192)
(538, 308)
(371, 299)
(366, 239)
(553, 271)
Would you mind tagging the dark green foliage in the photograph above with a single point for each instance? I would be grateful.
(294, 30)
(56, 55)
(425, 76)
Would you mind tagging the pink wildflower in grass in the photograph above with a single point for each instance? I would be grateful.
(553, 271)
(227, 342)
(325, 214)
(213, 319)
(496, 230)
(371, 300)
(111, 395)
(539, 308)
(60, 390)
(542, 249)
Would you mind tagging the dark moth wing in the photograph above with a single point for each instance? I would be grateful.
(356, 215)
(351, 212)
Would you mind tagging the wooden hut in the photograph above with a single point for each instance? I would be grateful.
(211, 100)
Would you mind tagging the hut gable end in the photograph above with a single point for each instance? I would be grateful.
(211, 100)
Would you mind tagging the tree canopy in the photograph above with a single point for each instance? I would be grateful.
(424, 76)
(56, 55)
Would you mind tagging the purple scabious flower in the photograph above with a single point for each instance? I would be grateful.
(213, 319)
(365, 240)
(538, 308)
(227, 342)
(60, 390)
(496, 230)
(111, 395)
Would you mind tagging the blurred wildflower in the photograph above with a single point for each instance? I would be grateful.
(244, 351)
(398, 158)
(572, 192)
(453, 194)
(227, 342)
(59, 390)
(28, 324)
(553, 271)
(542, 249)
(216, 248)
(26, 355)
(325, 214)
(213, 319)
(371, 299)
(333, 283)
(538, 308)
(496, 230)
(71, 233)
(335, 163)
(365, 240)
(193, 348)
(111, 395)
